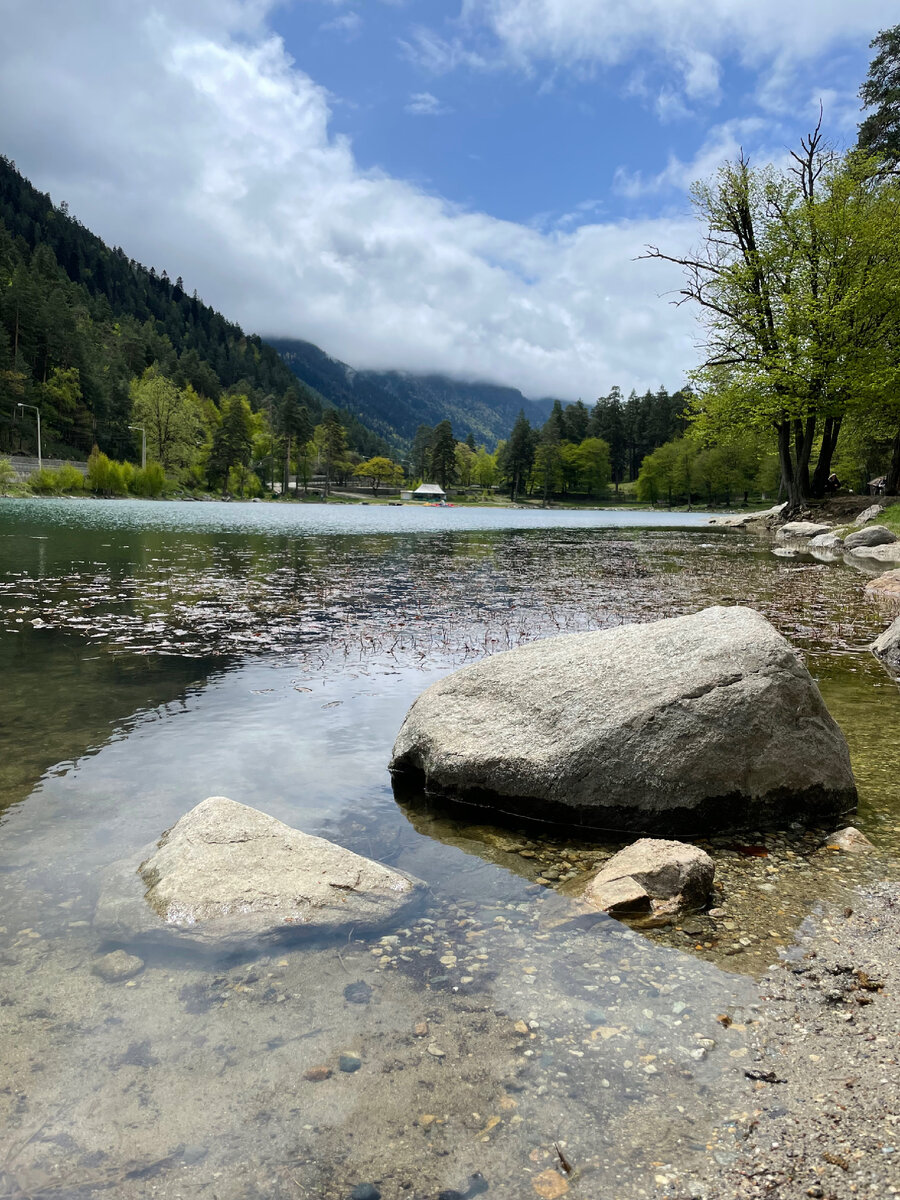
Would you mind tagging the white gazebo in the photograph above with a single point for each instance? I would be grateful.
(429, 491)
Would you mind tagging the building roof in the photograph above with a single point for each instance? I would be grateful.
(429, 489)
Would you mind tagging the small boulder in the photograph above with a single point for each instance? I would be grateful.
(850, 840)
(826, 541)
(800, 530)
(225, 870)
(868, 514)
(887, 584)
(118, 966)
(874, 535)
(653, 875)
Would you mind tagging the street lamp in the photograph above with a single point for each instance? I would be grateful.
(143, 445)
(38, 414)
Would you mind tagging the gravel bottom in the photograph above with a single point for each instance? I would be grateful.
(823, 1103)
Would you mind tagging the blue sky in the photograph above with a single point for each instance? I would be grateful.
(454, 185)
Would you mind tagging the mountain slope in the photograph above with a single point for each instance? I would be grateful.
(70, 303)
(395, 403)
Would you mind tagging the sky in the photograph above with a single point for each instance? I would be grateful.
(462, 186)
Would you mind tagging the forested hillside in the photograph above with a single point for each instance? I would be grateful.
(80, 321)
(395, 403)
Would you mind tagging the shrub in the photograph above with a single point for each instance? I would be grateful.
(151, 481)
(45, 482)
(8, 476)
(69, 478)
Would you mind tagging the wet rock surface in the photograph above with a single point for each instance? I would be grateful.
(707, 721)
(821, 1111)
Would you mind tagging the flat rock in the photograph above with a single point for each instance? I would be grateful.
(795, 530)
(887, 584)
(874, 535)
(868, 514)
(225, 871)
(671, 876)
(704, 722)
(742, 520)
(887, 646)
(888, 552)
(850, 840)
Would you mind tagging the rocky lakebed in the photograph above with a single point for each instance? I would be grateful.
(621, 924)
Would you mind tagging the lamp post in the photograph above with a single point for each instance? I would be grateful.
(143, 445)
(38, 415)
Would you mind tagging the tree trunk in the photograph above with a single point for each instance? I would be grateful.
(286, 482)
(792, 483)
(892, 482)
(829, 445)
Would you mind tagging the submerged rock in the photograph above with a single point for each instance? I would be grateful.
(118, 966)
(794, 530)
(874, 535)
(850, 840)
(655, 876)
(225, 870)
(702, 722)
(887, 646)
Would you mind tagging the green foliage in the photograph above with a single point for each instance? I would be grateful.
(685, 470)
(70, 479)
(8, 476)
(105, 476)
(46, 481)
(149, 482)
(879, 133)
(232, 441)
(172, 418)
(379, 470)
(443, 454)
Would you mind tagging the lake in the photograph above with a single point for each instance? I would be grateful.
(153, 654)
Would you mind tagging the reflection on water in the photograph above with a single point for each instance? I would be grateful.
(152, 655)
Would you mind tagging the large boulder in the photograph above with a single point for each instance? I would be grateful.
(873, 535)
(800, 531)
(887, 646)
(692, 723)
(227, 871)
(653, 876)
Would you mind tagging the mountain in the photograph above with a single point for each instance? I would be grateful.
(394, 403)
(79, 319)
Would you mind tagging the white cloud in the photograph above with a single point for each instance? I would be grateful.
(424, 104)
(186, 134)
(690, 35)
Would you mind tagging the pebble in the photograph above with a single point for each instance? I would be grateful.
(317, 1074)
(349, 1063)
(421, 1029)
(365, 1191)
(435, 1051)
(117, 966)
